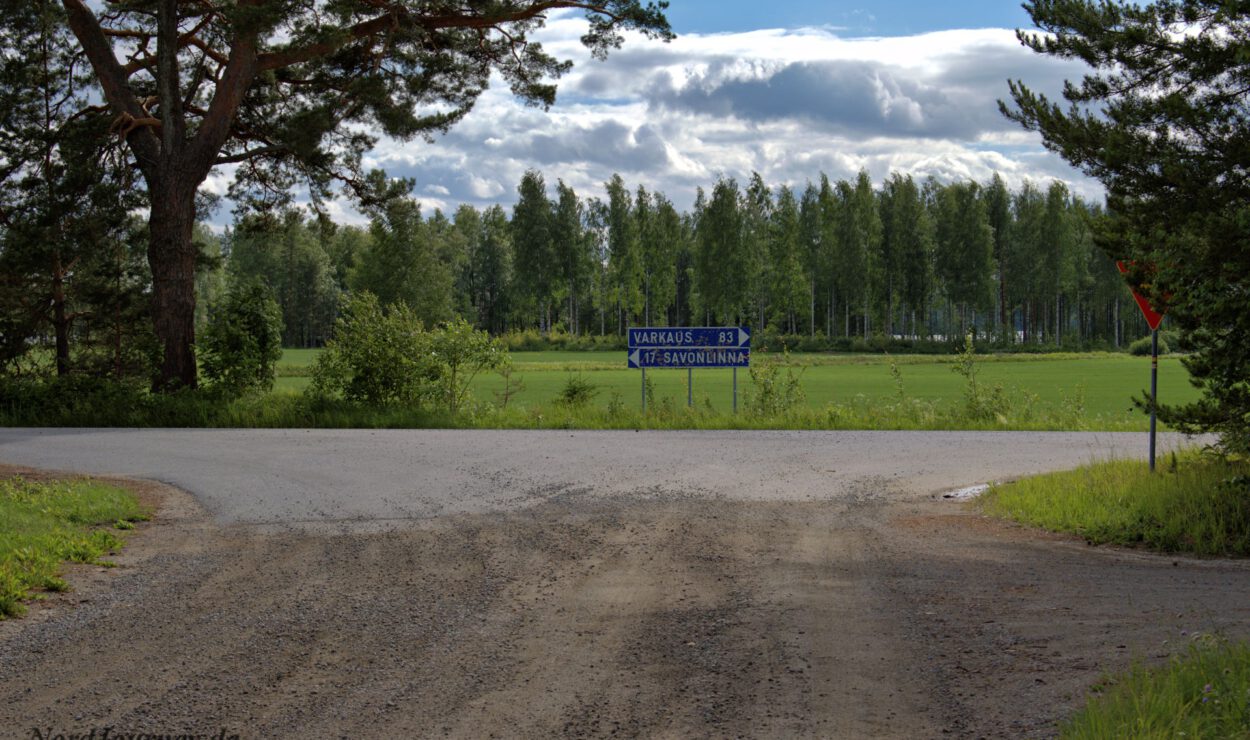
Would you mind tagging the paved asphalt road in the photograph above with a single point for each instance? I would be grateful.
(329, 476)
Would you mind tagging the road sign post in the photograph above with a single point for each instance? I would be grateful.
(689, 348)
(1154, 390)
(1153, 319)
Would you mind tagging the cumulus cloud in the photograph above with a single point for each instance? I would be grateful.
(790, 104)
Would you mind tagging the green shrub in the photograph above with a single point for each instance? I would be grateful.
(377, 357)
(532, 340)
(980, 403)
(242, 342)
(382, 357)
(1204, 693)
(577, 392)
(1141, 348)
(774, 393)
(72, 400)
(459, 352)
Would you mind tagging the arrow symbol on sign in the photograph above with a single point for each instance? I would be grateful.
(743, 336)
(633, 357)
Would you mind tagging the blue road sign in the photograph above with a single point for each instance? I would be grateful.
(690, 357)
(678, 337)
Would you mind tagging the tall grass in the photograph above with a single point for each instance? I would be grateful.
(771, 398)
(916, 393)
(1203, 694)
(43, 524)
(1194, 503)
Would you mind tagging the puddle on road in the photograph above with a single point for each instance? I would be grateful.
(963, 494)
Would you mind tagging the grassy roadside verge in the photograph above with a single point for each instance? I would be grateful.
(1203, 694)
(43, 524)
(1185, 507)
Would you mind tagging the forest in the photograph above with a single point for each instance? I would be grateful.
(833, 260)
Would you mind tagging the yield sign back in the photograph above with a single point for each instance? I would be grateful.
(1153, 317)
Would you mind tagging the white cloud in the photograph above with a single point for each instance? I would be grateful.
(789, 104)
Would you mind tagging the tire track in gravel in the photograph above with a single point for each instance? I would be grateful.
(657, 615)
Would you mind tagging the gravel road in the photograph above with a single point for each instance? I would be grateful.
(588, 584)
(294, 476)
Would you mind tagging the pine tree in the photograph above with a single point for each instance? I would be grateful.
(401, 262)
(1162, 121)
(63, 206)
(289, 89)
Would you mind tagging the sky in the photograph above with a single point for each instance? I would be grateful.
(881, 18)
(788, 88)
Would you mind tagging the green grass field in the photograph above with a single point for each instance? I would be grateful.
(1101, 385)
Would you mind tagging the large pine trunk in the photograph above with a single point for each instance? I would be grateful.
(172, 256)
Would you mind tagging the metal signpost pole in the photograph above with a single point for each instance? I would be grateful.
(689, 387)
(735, 390)
(644, 390)
(1153, 319)
(1154, 391)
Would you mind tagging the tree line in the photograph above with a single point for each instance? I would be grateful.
(834, 259)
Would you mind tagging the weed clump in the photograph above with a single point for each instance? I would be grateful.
(775, 393)
(1204, 692)
(980, 403)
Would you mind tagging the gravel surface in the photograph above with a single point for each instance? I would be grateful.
(778, 585)
(289, 476)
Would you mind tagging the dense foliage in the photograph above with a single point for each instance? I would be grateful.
(843, 260)
(243, 340)
(1163, 119)
(290, 92)
(69, 268)
(385, 356)
(905, 267)
(377, 356)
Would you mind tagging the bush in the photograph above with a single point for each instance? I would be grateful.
(1141, 348)
(377, 357)
(773, 393)
(980, 403)
(71, 400)
(459, 352)
(243, 340)
(531, 340)
(577, 392)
